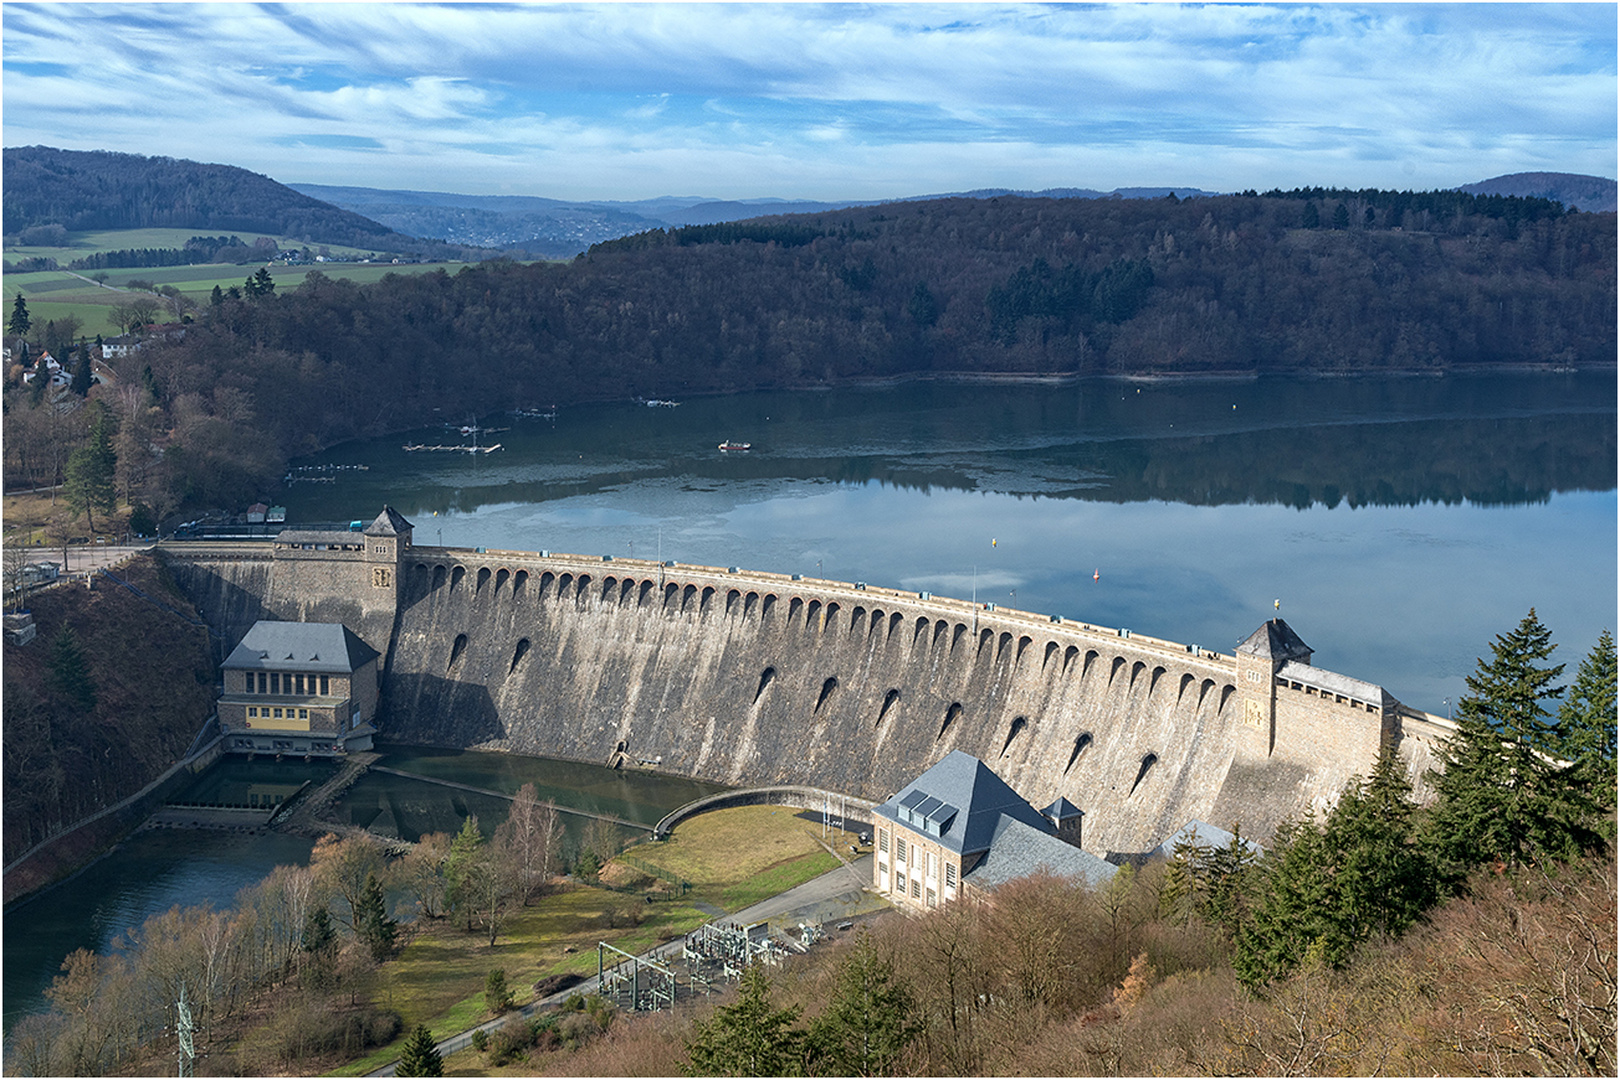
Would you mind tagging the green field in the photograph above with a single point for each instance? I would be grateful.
(88, 243)
(53, 294)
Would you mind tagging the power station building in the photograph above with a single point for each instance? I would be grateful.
(299, 688)
(958, 829)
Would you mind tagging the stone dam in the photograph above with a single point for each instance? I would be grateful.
(750, 678)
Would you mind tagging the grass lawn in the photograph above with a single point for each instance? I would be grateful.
(737, 857)
(732, 857)
(27, 515)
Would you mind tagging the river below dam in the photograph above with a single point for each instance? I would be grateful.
(1398, 524)
(156, 869)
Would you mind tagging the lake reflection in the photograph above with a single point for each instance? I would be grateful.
(1402, 523)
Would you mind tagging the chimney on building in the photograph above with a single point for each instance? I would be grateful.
(1065, 818)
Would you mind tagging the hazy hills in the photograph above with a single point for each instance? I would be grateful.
(557, 228)
(46, 188)
(1593, 194)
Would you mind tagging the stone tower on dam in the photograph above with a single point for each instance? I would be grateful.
(747, 678)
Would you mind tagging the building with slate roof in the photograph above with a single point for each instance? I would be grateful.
(299, 688)
(958, 827)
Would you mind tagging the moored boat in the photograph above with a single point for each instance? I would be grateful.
(730, 445)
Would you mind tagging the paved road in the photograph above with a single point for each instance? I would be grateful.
(834, 896)
(87, 556)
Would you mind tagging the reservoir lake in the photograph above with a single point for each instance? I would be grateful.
(1398, 524)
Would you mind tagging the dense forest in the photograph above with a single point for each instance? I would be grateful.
(50, 192)
(111, 693)
(1312, 280)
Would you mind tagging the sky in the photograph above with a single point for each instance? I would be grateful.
(823, 101)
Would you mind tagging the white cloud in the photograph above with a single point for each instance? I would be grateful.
(811, 100)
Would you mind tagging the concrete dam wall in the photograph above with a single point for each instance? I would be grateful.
(749, 678)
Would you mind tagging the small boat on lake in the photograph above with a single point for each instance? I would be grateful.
(731, 446)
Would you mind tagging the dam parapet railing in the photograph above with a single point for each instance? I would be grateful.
(838, 805)
(941, 606)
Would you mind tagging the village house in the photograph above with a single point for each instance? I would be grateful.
(299, 688)
(959, 830)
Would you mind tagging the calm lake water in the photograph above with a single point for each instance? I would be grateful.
(1401, 523)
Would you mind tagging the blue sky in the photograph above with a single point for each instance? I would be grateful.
(629, 101)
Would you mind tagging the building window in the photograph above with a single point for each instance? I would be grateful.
(931, 900)
(275, 682)
(253, 712)
(278, 714)
(326, 685)
(883, 841)
(916, 889)
(950, 875)
(933, 865)
(899, 849)
(262, 682)
(299, 683)
(250, 682)
(303, 714)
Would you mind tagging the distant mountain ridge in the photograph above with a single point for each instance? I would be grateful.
(558, 228)
(1591, 194)
(84, 190)
(561, 228)
(81, 190)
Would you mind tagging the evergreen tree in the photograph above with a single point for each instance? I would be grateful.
(1295, 909)
(750, 1038)
(1341, 217)
(1329, 887)
(371, 920)
(461, 869)
(92, 471)
(497, 995)
(1587, 716)
(1385, 880)
(1209, 882)
(82, 371)
(69, 671)
(871, 1020)
(319, 935)
(923, 308)
(217, 297)
(1587, 729)
(20, 322)
(260, 284)
(420, 1056)
(1504, 795)
(1312, 219)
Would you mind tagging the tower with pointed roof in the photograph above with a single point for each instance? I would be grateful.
(1259, 659)
(388, 538)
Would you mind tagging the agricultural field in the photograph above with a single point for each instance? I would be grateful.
(88, 243)
(91, 296)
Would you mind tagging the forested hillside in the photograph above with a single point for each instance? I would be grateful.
(110, 693)
(50, 192)
(1315, 280)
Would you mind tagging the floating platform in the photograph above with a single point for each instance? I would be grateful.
(458, 449)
